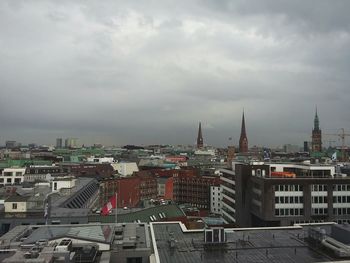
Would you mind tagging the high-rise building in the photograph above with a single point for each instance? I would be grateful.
(316, 135)
(70, 143)
(243, 140)
(200, 137)
(59, 143)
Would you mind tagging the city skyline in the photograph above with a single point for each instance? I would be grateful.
(146, 73)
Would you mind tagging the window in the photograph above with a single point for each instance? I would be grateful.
(8, 180)
(258, 172)
(14, 206)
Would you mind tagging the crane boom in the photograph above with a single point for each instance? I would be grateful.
(342, 135)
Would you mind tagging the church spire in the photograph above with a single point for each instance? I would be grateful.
(200, 137)
(316, 121)
(316, 135)
(243, 140)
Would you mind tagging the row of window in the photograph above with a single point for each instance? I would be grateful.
(319, 199)
(319, 211)
(288, 187)
(289, 212)
(341, 199)
(319, 187)
(229, 194)
(9, 181)
(341, 211)
(341, 187)
(314, 187)
(289, 200)
(13, 173)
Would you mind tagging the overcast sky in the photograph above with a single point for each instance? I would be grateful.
(145, 72)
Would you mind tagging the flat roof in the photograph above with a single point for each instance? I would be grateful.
(93, 233)
(249, 245)
(158, 212)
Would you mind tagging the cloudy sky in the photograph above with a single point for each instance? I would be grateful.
(144, 72)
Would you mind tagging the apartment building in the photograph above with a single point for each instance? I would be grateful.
(12, 176)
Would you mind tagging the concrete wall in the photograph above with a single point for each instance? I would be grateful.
(21, 207)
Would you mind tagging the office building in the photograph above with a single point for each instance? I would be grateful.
(269, 194)
(59, 143)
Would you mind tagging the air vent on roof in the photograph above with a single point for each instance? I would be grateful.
(214, 236)
(64, 245)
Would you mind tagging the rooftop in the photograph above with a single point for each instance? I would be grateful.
(157, 213)
(243, 245)
(98, 233)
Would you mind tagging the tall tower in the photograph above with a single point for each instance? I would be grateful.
(316, 135)
(200, 137)
(243, 140)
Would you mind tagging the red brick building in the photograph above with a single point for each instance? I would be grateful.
(131, 190)
(194, 189)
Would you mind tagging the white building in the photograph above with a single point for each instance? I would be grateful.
(17, 204)
(125, 169)
(64, 182)
(215, 200)
(12, 176)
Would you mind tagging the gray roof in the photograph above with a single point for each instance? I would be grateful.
(158, 212)
(17, 198)
(264, 245)
(93, 233)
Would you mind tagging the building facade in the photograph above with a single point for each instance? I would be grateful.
(215, 199)
(259, 194)
(194, 189)
(12, 176)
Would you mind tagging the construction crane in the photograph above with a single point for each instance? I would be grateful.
(342, 135)
(330, 143)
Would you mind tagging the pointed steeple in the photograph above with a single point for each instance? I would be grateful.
(243, 131)
(243, 140)
(316, 121)
(316, 135)
(200, 137)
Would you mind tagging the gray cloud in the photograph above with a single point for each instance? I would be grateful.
(122, 72)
